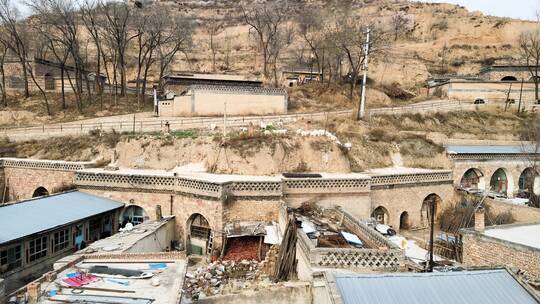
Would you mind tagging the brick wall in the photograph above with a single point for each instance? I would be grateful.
(251, 210)
(183, 207)
(23, 182)
(2, 185)
(409, 199)
(481, 250)
(521, 214)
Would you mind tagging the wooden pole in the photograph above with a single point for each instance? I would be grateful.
(520, 95)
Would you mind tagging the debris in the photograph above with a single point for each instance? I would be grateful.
(352, 238)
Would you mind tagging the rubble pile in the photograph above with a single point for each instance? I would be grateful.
(220, 275)
(245, 248)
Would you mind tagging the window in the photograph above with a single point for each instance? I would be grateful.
(10, 258)
(95, 225)
(61, 240)
(37, 249)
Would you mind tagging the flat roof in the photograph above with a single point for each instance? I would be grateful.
(474, 287)
(124, 240)
(45, 213)
(220, 77)
(489, 149)
(400, 171)
(122, 290)
(528, 235)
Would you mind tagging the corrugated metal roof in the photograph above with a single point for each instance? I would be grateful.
(25, 218)
(474, 287)
(473, 149)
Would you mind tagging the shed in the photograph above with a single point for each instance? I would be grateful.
(493, 286)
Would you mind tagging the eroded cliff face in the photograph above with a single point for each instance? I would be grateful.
(249, 156)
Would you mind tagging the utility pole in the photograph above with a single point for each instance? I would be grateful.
(361, 108)
(520, 95)
(225, 121)
(431, 236)
(507, 98)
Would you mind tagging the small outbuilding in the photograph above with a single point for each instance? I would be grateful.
(491, 286)
(37, 232)
(208, 100)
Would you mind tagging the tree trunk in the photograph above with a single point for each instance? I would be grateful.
(63, 84)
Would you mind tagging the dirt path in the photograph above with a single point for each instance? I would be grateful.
(146, 122)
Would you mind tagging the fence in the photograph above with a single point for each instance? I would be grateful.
(158, 124)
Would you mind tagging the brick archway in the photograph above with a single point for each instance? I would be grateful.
(40, 191)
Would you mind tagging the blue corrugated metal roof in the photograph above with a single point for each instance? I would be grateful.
(462, 149)
(474, 287)
(25, 218)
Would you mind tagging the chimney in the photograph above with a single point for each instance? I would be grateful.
(479, 219)
(33, 290)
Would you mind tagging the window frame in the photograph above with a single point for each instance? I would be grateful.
(18, 262)
(65, 242)
(43, 246)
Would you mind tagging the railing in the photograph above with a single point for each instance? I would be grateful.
(158, 124)
(325, 185)
(350, 258)
(481, 156)
(45, 164)
(413, 178)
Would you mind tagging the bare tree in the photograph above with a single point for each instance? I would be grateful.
(118, 35)
(401, 23)
(13, 37)
(213, 27)
(228, 50)
(268, 21)
(178, 39)
(529, 43)
(312, 31)
(92, 16)
(3, 53)
(349, 35)
(61, 17)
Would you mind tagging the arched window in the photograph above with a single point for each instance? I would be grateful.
(501, 182)
(404, 221)
(40, 191)
(426, 210)
(509, 78)
(380, 214)
(49, 82)
(529, 181)
(473, 179)
(133, 214)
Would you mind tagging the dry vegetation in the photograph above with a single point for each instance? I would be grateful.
(417, 138)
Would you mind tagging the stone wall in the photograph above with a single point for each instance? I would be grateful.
(263, 210)
(3, 198)
(399, 199)
(498, 74)
(482, 250)
(521, 214)
(514, 165)
(183, 207)
(24, 176)
(490, 91)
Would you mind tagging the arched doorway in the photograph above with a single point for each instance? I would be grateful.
(49, 82)
(199, 240)
(404, 221)
(426, 210)
(133, 214)
(529, 181)
(509, 78)
(40, 191)
(380, 214)
(473, 179)
(535, 79)
(501, 182)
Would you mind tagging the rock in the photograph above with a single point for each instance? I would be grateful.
(208, 275)
(189, 275)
